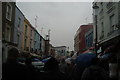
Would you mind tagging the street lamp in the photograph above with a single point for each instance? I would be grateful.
(95, 7)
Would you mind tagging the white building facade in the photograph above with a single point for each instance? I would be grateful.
(61, 50)
(108, 23)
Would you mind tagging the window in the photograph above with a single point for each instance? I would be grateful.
(34, 44)
(19, 21)
(112, 23)
(25, 29)
(25, 44)
(18, 37)
(7, 32)
(9, 11)
(61, 51)
(31, 33)
(109, 4)
(30, 44)
(101, 4)
(102, 28)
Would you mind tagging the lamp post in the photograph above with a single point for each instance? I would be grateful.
(95, 7)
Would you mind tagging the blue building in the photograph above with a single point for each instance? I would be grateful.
(36, 41)
(89, 38)
(18, 29)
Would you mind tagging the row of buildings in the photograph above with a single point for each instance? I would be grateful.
(18, 32)
(105, 30)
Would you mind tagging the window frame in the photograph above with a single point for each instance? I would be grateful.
(7, 11)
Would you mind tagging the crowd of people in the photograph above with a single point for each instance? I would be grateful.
(54, 69)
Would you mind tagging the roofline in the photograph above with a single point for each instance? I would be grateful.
(59, 46)
(19, 10)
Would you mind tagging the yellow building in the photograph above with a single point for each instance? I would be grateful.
(26, 36)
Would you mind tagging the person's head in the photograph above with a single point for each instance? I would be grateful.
(51, 65)
(13, 53)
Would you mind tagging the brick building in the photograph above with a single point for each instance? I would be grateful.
(79, 39)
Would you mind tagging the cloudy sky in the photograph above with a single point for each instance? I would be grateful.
(62, 18)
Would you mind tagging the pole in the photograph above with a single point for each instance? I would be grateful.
(96, 40)
(49, 34)
(36, 21)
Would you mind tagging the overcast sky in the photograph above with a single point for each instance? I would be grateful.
(62, 18)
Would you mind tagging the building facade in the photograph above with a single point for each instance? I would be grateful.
(18, 32)
(8, 18)
(32, 30)
(0, 22)
(89, 38)
(36, 41)
(42, 45)
(108, 23)
(26, 36)
(18, 28)
(79, 39)
(60, 50)
(1, 40)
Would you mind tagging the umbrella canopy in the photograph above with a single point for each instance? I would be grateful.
(86, 51)
(106, 56)
(85, 59)
(68, 60)
(46, 59)
(35, 59)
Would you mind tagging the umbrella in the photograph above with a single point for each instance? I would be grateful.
(91, 49)
(68, 60)
(36, 59)
(106, 56)
(46, 59)
(86, 51)
(85, 59)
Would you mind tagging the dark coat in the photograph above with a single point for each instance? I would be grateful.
(94, 72)
(54, 75)
(12, 70)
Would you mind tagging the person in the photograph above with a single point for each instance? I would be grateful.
(94, 72)
(63, 66)
(114, 69)
(30, 70)
(12, 70)
(51, 70)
